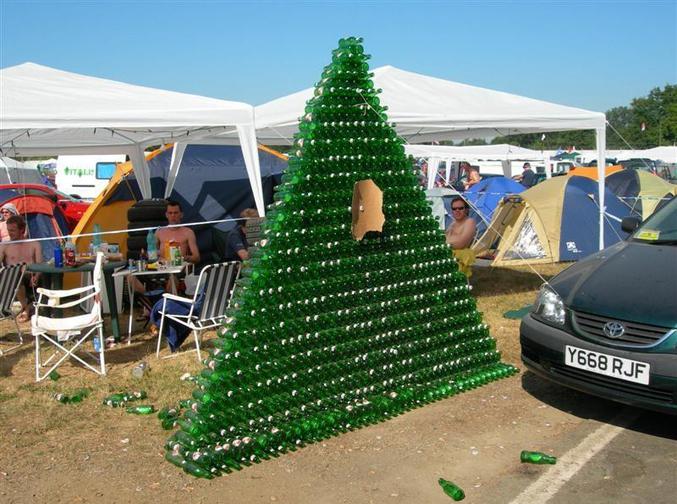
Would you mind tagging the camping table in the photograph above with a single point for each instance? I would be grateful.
(172, 271)
(55, 275)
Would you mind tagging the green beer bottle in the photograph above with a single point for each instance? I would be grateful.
(533, 457)
(452, 490)
(145, 409)
(79, 395)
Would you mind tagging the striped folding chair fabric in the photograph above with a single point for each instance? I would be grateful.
(10, 279)
(215, 285)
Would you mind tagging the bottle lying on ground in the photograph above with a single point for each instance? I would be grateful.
(145, 409)
(122, 398)
(452, 490)
(532, 457)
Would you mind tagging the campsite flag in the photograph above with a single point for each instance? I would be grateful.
(326, 332)
(643, 126)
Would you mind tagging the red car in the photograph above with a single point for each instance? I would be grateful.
(72, 208)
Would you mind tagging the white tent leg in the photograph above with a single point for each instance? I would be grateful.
(601, 171)
(177, 156)
(250, 152)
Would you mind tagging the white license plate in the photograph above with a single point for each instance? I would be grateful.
(608, 365)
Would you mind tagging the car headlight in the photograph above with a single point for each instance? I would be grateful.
(549, 306)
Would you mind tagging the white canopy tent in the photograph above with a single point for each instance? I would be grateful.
(426, 108)
(504, 153)
(45, 111)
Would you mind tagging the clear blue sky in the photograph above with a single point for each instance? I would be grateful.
(590, 54)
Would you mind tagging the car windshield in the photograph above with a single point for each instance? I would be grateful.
(661, 227)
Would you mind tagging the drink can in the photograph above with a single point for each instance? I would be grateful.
(58, 257)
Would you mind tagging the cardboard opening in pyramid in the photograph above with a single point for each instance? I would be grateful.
(327, 333)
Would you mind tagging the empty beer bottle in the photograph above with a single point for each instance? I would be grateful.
(79, 395)
(146, 409)
(62, 398)
(533, 457)
(452, 490)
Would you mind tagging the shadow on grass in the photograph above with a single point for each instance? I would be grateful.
(10, 359)
(596, 408)
(492, 281)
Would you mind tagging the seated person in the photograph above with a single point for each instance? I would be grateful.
(176, 333)
(473, 175)
(182, 235)
(460, 234)
(16, 253)
(236, 243)
(6, 212)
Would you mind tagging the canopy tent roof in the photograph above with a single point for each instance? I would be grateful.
(426, 108)
(497, 152)
(50, 111)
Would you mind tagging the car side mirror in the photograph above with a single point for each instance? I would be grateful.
(630, 224)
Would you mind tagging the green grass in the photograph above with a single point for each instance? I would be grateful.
(29, 409)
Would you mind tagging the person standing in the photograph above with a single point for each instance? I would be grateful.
(18, 253)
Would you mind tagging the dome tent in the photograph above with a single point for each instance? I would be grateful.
(554, 221)
(484, 196)
(640, 190)
(43, 217)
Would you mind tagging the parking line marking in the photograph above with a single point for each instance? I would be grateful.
(547, 486)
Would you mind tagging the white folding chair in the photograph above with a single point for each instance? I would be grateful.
(215, 284)
(67, 334)
(10, 280)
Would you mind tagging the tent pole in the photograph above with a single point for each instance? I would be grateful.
(141, 171)
(250, 152)
(177, 157)
(601, 182)
(433, 164)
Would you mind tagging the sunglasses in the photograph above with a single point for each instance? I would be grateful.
(458, 209)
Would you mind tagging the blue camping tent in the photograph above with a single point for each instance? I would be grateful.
(484, 196)
(556, 220)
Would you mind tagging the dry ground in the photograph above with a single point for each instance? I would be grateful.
(91, 453)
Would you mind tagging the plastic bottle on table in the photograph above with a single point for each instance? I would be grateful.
(152, 246)
(96, 239)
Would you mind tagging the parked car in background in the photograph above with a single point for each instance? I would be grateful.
(645, 164)
(667, 171)
(607, 325)
(72, 208)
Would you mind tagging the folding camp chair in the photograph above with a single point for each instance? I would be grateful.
(215, 284)
(66, 333)
(10, 279)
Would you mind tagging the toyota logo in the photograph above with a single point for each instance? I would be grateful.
(614, 329)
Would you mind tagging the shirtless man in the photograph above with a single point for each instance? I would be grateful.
(461, 231)
(16, 253)
(183, 236)
(472, 173)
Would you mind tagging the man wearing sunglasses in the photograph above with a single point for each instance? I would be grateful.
(460, 234)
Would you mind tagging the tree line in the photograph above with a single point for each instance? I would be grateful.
(649, 121)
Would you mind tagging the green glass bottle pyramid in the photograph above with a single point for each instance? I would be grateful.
(327, 333)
